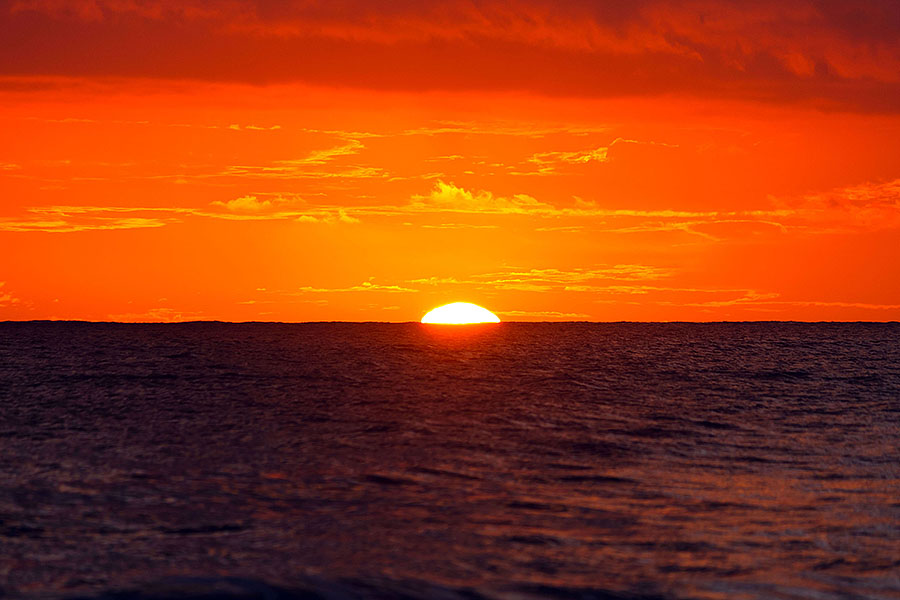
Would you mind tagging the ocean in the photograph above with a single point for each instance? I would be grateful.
(616, 461)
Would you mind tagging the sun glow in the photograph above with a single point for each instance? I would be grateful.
(460, 313)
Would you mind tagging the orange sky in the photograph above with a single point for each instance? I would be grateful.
(349, 160)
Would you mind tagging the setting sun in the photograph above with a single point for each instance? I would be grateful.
(220, 219)
(460, 313)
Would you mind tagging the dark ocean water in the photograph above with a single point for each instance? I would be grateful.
(616, 461)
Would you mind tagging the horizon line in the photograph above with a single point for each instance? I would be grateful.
(219, 321)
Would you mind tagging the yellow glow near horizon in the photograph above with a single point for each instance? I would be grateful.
(460, 313)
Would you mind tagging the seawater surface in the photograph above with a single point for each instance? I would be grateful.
(340, 460)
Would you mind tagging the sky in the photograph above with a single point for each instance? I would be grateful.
(367, 161)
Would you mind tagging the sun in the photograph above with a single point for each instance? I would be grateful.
(460, 313)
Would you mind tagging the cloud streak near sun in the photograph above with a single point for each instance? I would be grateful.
(860, 207)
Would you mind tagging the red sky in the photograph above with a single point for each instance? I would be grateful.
(351, 160)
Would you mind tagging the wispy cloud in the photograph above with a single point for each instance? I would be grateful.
(311, 166)
(747, 297)
(499, 129)
(71, 219)
(548, 162)
(6, 298)
(320, 157)
(866, 206)
(546, 280)
(432, 281)
(562, 228)
(238, 127)
(72, 226)
(459, 226)
(727, 298)
(533, 280)
(554, 162)
(336, 216)
(365, 286)
(447, 196)
(772, 300)
(831, 304)
(245, 204)
(287, 169)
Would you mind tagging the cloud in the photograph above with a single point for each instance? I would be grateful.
(6, 298)
(320, 157)
(841, 53)
(563, 228)
(447, 196)
(546, 280)
(73, 225)
(238, 127)
(308, 166)
(609, 284)
(343, 217)
(549, 162)
(444, 197)
(747, 297)
(435, 281)
(245, 204)
(500, 128)
(866, 206)
(312, 165)
(71, 219)
(831, 304)
(771, 300)
(459, 226)
(365, 286)
(570, 280)
(870, 206)
(626, 284)
(336, 216)
(252, 208)
(292, 170)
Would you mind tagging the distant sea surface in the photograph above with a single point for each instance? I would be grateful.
(511, 461)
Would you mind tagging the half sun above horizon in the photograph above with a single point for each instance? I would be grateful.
(460, 313)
